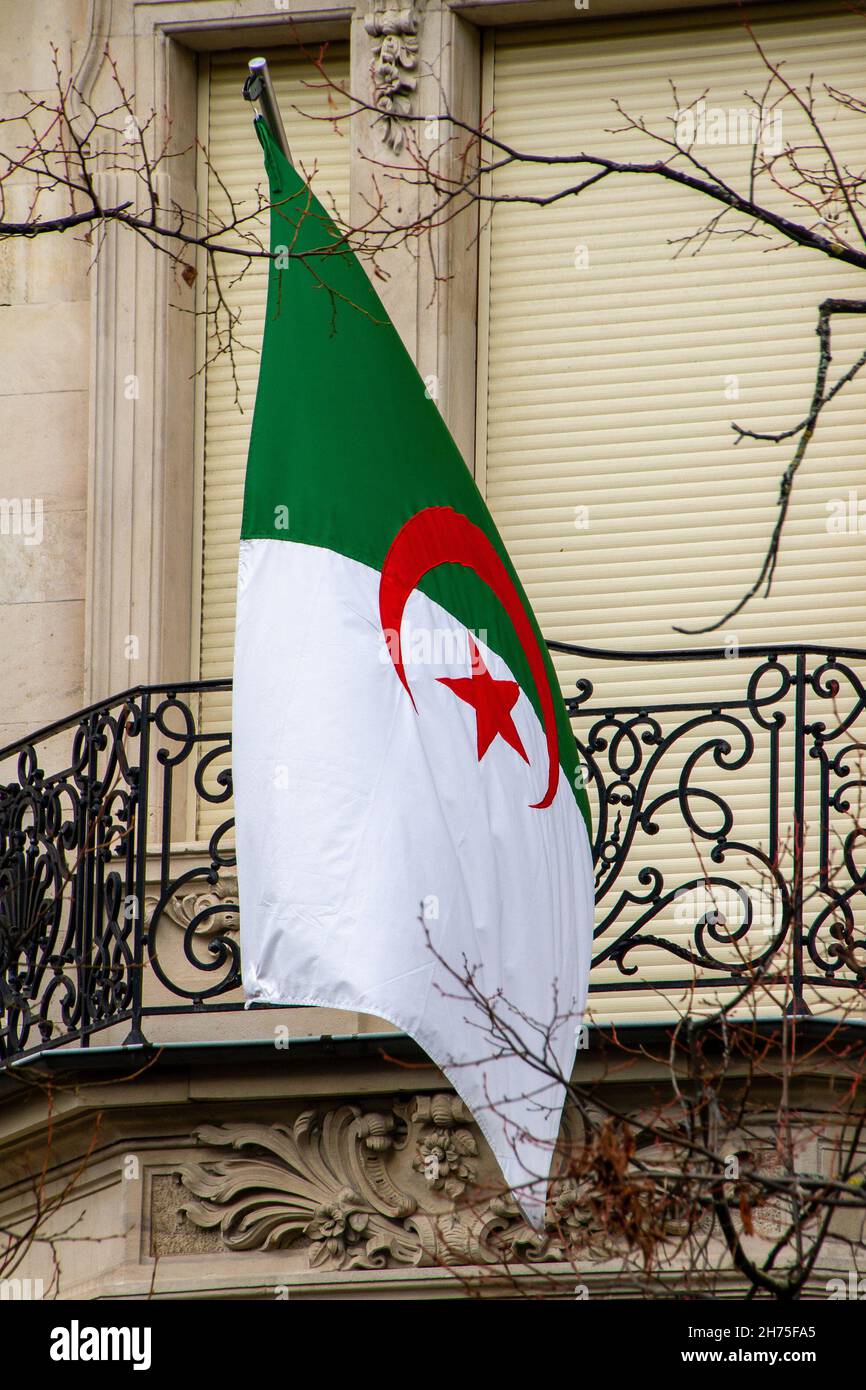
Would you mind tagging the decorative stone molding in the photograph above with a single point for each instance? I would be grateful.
(413, 1184)
(93, 57)
(393, 27)
(206, 911)
(403, 1184)
(138, 589)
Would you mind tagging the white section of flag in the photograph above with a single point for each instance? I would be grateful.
(357, 816)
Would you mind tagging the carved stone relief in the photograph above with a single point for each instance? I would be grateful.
(408, 1183)
(411, 1185)
(393, 28)
(209, 909)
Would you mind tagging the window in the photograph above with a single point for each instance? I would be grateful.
(610, 372)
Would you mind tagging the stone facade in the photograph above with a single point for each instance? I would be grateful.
(341, 1170)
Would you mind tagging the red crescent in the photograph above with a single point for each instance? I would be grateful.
(440, 536)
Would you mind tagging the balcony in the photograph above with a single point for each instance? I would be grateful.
(727, 832)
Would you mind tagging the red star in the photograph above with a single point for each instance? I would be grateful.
(492, 701)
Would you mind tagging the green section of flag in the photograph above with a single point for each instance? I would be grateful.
(346, 445)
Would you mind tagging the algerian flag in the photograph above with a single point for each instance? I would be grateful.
(409, 805)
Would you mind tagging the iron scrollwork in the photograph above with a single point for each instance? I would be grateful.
(101, 923)
(68, 866)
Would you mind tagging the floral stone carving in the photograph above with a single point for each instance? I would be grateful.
(393, 27)
(413, 1184)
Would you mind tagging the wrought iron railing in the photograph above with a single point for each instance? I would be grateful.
(727, 831)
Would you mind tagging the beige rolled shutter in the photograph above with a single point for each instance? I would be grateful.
(321, 150)
(610, 371)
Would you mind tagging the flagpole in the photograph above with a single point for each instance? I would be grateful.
(259, 88)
